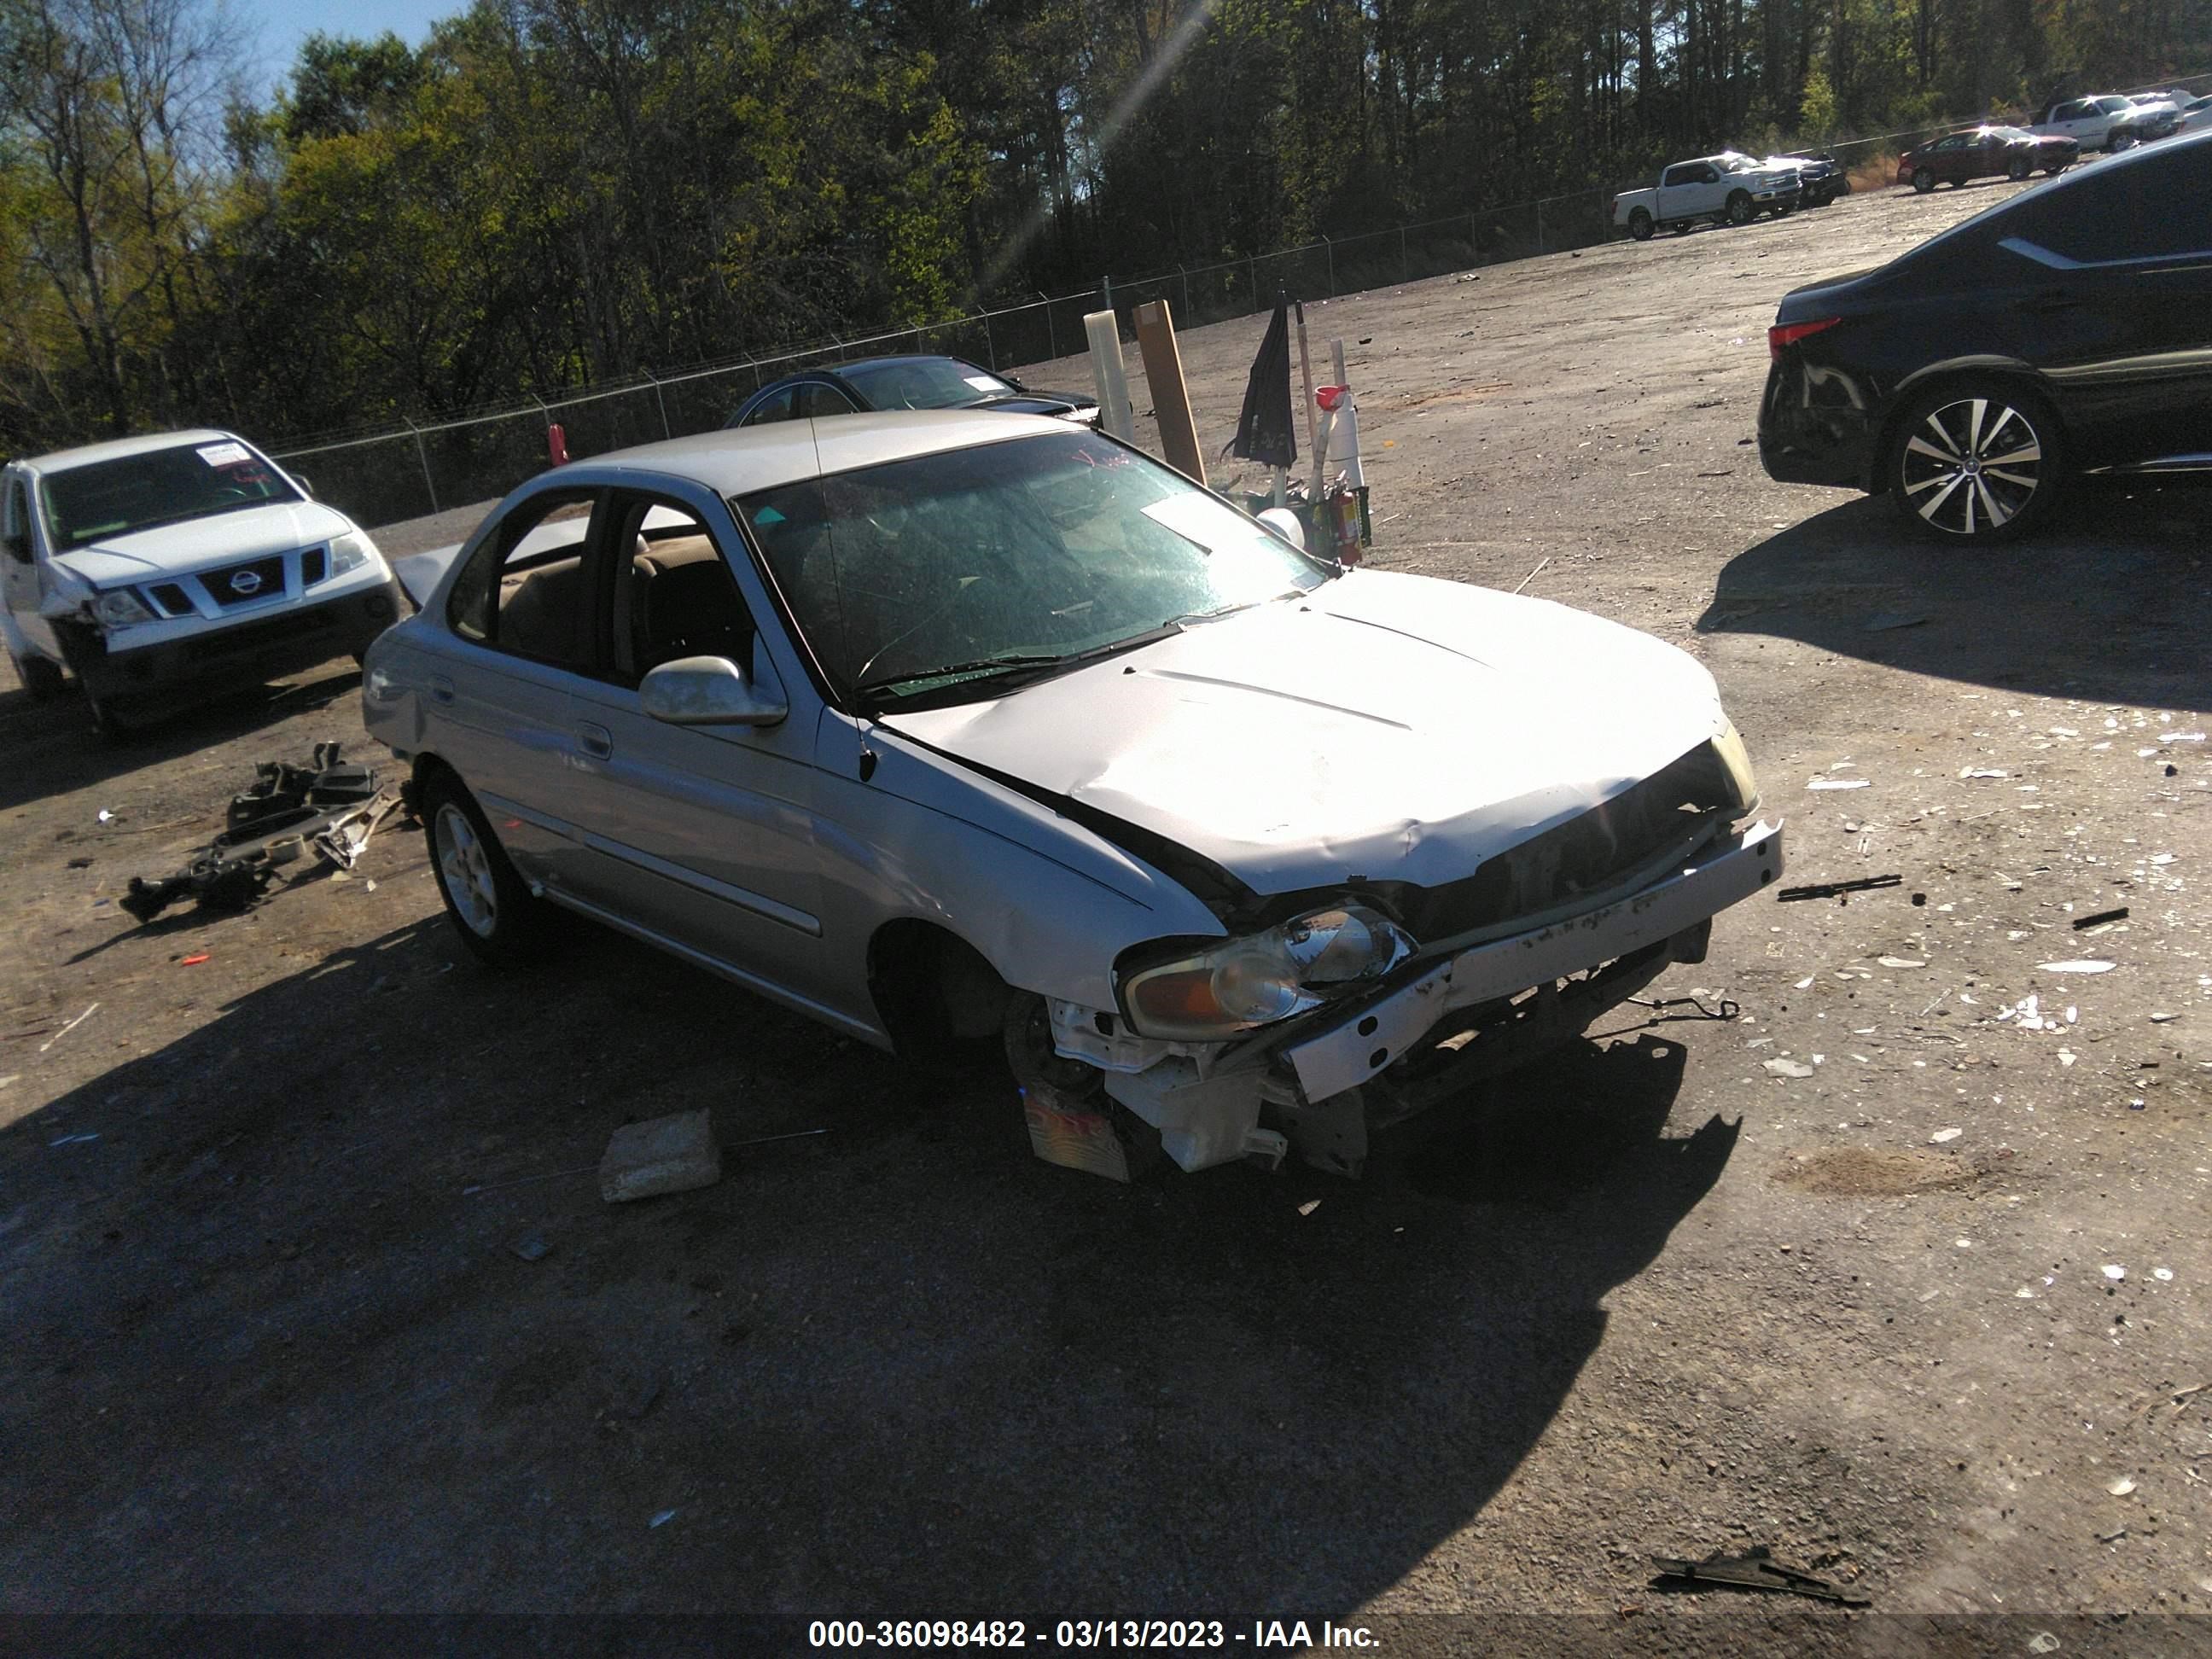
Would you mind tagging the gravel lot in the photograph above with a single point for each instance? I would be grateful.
(269, 1352)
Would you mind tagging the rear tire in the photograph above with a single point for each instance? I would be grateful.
(1976, 462)
(1640, 225)
(491, 906)
(2017, 169)
(1924, 180)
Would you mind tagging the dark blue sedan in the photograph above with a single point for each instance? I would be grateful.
(891, 383)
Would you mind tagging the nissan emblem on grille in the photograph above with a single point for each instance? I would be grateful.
(246, 581)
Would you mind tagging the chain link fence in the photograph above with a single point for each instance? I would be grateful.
(420, 469)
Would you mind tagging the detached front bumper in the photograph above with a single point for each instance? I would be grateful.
(1305, 1094)
(1370, 1039)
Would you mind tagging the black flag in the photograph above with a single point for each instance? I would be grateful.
(1267, 430)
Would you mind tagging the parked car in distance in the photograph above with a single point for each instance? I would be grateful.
(963, 727)
(2106, 121)
(1984, 152)
(1820, 177)
(1727, 189)
(904, 382)
(162, 568)
(2066, 330)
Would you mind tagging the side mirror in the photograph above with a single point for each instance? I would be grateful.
(1284, 523)
(707, 691)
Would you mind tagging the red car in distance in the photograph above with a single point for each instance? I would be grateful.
(1986, 152)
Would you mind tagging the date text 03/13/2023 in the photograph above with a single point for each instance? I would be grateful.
(1086, 1633)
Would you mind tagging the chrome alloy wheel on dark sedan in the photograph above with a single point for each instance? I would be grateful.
(1973, 467)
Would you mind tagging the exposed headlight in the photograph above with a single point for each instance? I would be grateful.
(1241, 983)
(118, 607)
(1736, 760)
(350, 551)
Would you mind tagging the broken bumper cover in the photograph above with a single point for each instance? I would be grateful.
(243, 654)
(1368, 1039)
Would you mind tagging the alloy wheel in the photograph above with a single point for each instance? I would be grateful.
(466, 871)
(1971, 466)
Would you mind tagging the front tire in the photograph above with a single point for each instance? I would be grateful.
(1739, 209)
(1640, 225)
(491, 906)
(41, 677)
(1976, 462)
(1924, 180)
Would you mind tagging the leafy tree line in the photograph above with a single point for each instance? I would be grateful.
(549, 193)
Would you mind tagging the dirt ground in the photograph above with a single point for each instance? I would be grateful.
(1886, 1274)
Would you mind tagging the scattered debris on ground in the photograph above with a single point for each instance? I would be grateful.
(329, 807)
(1755, 1569)
(671, 1154)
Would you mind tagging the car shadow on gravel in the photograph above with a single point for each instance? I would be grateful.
(2109, 601)
(894, 1368)
(51, 749)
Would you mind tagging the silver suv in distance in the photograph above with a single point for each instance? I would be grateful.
(950, 727)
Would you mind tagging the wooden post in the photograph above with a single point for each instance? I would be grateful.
(1313, 437)
(1110, 377)
(1163, 377)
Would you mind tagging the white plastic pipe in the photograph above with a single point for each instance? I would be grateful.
(1111, 379)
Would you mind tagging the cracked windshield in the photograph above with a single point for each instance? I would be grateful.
(942, 578)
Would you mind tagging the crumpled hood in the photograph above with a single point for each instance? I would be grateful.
(179, 549)
(1384, 726)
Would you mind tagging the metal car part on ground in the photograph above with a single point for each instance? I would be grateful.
(156, 568)
(959, 729)
(2066, 330)
(329, 808)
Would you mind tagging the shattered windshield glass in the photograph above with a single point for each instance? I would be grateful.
(945, 577)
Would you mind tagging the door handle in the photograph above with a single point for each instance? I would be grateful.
(2056, 299)
(441, 689)
(595, 740)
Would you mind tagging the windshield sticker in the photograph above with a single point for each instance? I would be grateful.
(985, 382)
(224, 454)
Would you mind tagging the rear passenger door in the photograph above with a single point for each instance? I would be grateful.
(499, 705)
(701, 836)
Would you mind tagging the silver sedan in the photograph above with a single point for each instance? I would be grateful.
(952, 728)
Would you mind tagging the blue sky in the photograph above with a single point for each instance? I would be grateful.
(277, 26)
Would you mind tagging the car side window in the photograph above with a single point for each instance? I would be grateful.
(526, 590)
(776, 408)
(15, 522)
(817, 399)
(2159, 207)
(1708, 173)
(673, 595)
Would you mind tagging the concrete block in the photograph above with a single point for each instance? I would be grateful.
(673, 1154)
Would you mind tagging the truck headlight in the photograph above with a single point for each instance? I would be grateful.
(1241, 983)
(118, 607)
(350, 551)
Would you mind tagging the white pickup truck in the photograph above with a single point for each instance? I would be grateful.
(158, 567)
(1728, 190)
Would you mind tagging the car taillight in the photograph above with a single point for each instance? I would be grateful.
(1782, 334)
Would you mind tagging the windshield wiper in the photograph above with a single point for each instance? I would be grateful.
(999, 667)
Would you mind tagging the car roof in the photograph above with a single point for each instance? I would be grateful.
(736, 460)
(117, 449)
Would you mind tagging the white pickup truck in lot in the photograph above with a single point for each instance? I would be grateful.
(1729, 189)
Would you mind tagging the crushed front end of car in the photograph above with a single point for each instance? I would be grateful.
(1305, 1037)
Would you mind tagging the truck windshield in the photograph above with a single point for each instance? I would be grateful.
(161, 486)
